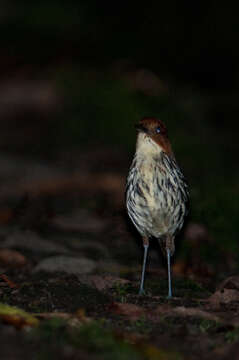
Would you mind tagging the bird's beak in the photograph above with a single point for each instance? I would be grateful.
(140, 128)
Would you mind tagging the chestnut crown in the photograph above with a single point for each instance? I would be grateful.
(152, 127)
(157, 131)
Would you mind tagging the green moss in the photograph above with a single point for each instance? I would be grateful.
(207, 325)
(232, 336)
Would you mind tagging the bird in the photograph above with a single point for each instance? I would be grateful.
(156, 191)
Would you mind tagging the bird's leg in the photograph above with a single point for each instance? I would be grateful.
(169, 274)
(146, 246)
(169, 252)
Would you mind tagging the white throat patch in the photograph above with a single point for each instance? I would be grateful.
(145, 146)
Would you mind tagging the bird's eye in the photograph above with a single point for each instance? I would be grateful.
(158, 130)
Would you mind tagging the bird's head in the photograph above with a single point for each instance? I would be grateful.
(150, 127)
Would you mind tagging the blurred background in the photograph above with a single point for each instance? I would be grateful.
(75, 76)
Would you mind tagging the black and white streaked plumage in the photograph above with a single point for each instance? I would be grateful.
(156, 194)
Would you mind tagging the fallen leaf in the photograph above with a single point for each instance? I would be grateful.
(12, 258)
(10, 283)
(133, 312)
(16, 317)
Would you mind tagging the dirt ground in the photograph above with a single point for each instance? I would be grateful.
(70, 258)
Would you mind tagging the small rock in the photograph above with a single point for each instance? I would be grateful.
(12, 258)
(69, 265)
(29, 240)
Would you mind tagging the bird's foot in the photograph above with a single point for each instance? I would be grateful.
(141, 292)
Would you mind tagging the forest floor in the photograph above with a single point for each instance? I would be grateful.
(71, 262)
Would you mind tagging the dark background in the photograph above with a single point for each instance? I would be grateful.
(75, 76)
